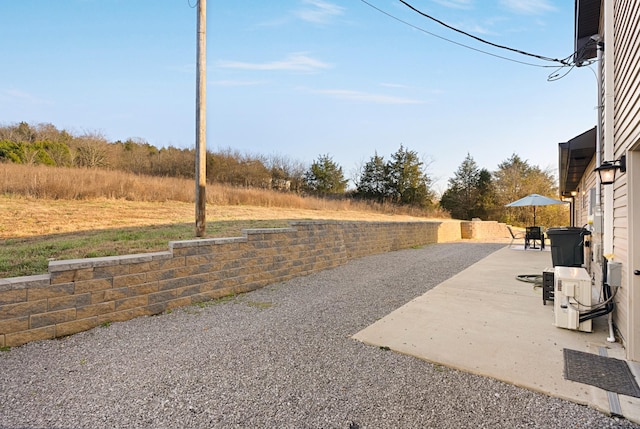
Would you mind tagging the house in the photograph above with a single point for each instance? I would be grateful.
(607, 35)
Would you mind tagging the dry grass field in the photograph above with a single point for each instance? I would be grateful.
(30, 217)
(34, 231)
(51, 213)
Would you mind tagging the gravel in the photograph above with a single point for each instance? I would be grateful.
(279, 357)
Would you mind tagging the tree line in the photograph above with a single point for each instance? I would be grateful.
(473, 192)
(401, 179)
(44, 144)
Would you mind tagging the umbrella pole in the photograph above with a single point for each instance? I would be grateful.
(534, 215)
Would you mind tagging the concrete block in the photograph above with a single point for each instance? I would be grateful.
(72, 301)
(145, 288)
(187, 291)
(179, 302)
(129, 280)
(200, 259)
(232, 240)
(51, 318)
(142, 267)
(156, 308)
(166, 274)
(95, 310)
(121, 316)
(163, 264)
(52, 291)
(58, 277)
(19, 338)
(13, 296)
(185, 251)
(110, 271)
(13, 311)
(92, 285)
(73, 327)
(129, 303)
(9, 326)
(135, 258)
(120, 293)
(25, 282)
(183, 282)
(164, 296)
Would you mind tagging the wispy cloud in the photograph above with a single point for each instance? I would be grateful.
(456, 4)
(346, 94)
(474, 27)
(528, 7)
(21, 96)
(318, 11)
(294, 62)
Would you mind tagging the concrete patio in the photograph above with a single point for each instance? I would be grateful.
(485, 321)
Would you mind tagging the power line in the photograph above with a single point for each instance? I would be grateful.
(454, 42)
(541, 57)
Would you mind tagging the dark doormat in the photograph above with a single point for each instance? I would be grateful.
(606, 373)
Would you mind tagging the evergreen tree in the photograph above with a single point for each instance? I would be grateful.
(325, 177)
(373, 182)
(462, 198)
(486, 195)
(407, 181)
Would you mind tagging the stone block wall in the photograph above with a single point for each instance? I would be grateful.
(484, 230)
(77, 295)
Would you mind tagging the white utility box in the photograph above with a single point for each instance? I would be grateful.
(572, 294)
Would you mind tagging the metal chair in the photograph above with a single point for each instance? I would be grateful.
(533, 234)
(515, 235)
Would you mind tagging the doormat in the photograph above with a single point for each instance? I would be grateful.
(606, 373)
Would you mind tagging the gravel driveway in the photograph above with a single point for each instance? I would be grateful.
(279, 357)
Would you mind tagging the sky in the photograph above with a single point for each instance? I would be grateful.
(304, 78)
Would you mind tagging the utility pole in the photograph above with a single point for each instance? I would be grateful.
(201, 121)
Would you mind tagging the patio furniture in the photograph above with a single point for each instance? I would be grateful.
(533, 234)
(515, 235)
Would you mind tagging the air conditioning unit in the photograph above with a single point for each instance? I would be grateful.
(572, 295)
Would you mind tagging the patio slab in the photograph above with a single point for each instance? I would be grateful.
(485, 321)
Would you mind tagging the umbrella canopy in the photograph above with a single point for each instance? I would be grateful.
(534, 200)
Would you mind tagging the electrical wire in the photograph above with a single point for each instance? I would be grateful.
(194, 6)
(452, 41)
(597, 304)
(555, 76)
(563, 61)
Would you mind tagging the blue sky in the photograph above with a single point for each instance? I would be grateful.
(302, 78)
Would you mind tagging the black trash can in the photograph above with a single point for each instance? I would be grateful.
(567, 245)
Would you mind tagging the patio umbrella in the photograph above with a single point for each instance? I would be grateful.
(534, 200)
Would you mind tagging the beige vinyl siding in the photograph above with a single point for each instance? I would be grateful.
(621, 252)
(583, 200)
(626, 128)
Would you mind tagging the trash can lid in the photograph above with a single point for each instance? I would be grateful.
(568, 230)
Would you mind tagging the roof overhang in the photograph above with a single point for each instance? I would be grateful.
(575, 156)
(587, 24)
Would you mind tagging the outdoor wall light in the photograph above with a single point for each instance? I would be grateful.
(607, 170)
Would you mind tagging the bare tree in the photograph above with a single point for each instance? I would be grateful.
(90, 150)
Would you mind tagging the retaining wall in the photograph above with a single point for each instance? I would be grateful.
(480, 230)
(78, 295)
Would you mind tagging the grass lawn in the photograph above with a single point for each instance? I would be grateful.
(35, 231)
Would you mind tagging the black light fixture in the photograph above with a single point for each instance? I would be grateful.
(607, 170)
